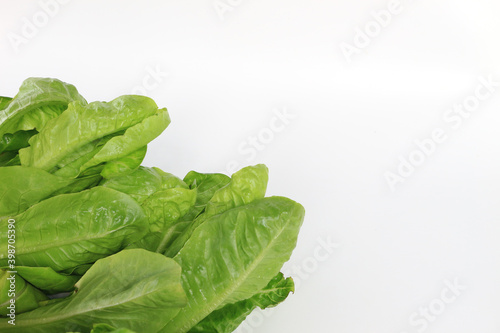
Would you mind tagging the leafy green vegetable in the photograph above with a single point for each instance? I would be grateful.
(232, 255)
(144, 182)
(163, 209)
(206, 184)
(105, 328)
(136, 289)
(74, 229)
(228, 318)
(123, 248)
(246, 185)
(47, 280)
(22, 187)
(38, 101)
(124, 165)
(4, 101)
(81, 125)
(16, 141)
(14, 287)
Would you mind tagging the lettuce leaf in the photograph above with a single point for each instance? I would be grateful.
(136, 289)
(38, 101)
(234, 254)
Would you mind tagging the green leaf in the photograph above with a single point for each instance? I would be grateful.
(134, 289)
(47, 280)
(12, 286)
(80, 184)
(9, 158)
(72, 163)
(38, 101)
(206, 185)
(133, 139)
(124, 165)
(105, 328)
(4, 101)
(143, 182)
(83, 124)
(228, 318)
(77, 270)
(74, 229)
(163, 209)
(246, 185)
(16, 141)
(22, 187)
(234, 255)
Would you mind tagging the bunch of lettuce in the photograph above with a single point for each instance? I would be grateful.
(94, 242)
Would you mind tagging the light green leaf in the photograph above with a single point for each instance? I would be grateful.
(143, 182)
(246, 185)
(124, 165)
(105, 328)
(228, 318)
(163, 209)
(47, 280)
(38, 101)
(134, 289)
(234, 255)
(133, 139)
(22, 187)
(25, 295)
(205, 185)
(74, 229)
(82, 124)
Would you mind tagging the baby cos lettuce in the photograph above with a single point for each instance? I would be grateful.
(106, 245)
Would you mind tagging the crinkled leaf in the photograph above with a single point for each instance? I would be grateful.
(234, 255)
(228, 318)
(38, 101)
(82, 124)
(74, 229)
(206, 185)
(135, 289)
(133, 139)
(143, 182)
(163, 209)
(246, 185)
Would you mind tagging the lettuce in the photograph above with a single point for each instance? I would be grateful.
(103, 244)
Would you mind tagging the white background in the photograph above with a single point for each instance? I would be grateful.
(225, 73)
